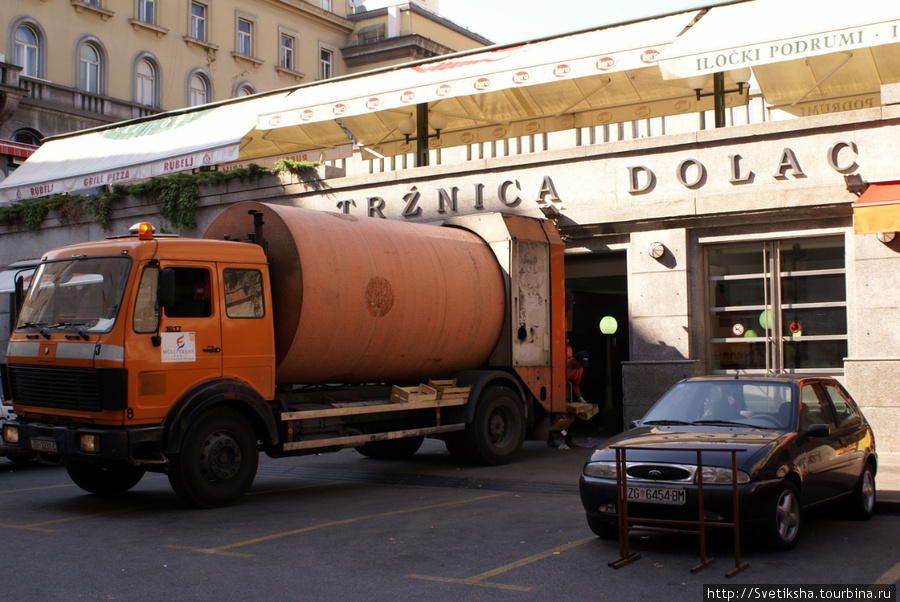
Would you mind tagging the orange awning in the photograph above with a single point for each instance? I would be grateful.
(878, 209)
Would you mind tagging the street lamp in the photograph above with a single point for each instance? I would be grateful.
(608, 327)
(739, 77)
(419, 127)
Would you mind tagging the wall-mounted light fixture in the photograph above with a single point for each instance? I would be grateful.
(656, 250)
(886, 237)
(855, 184)
(551, 211)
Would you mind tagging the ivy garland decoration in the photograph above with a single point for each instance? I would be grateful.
(177, 196)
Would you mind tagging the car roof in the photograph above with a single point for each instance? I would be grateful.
(783, 377)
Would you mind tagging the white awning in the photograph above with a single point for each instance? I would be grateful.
(173, 142)
(808, 56)
(591, 78)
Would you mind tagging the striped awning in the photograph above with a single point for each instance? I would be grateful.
(16, 149)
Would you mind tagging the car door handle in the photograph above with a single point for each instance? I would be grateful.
(212, 349)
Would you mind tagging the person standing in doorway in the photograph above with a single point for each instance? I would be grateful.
(575, 365)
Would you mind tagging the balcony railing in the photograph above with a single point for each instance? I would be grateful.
(80, 104)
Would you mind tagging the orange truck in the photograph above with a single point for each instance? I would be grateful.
(288, 331)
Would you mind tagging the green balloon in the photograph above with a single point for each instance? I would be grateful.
(765, 319)
(750, 334)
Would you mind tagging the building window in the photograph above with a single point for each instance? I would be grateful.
(370, 34)
(145, 83)
(146, 11)
(92, 2)
(326, 62)
(199, 90)
(198, 21)
(89, 69)
(325, 4)
(244, 89)
(778, 306)
(286, 55)
(245, 37)
(28, 136)
(27, 49)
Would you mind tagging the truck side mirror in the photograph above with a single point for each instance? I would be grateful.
(20, 294)
(165, 288)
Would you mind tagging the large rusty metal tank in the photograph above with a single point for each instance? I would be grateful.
(361, 300)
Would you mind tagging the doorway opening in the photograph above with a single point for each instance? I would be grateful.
(597, 288)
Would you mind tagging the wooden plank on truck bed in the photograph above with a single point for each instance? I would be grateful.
(407, 394)
(447, 389)
(357, 440)
(367, 408)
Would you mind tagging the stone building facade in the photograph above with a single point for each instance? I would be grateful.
(727, 250)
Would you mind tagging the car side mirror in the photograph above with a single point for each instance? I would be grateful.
(165, 288)
(815, 430)
(634, 424)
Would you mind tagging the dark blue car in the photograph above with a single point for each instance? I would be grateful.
(803, 441)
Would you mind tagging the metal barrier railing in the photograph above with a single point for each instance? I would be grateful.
(627, 525)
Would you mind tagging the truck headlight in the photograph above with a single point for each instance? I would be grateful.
(10, 434)
(600, 470)
(89, 443)
(714, 474)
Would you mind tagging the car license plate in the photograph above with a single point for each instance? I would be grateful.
(657, 495)
(43, 445)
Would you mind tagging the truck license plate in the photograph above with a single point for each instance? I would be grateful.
(43, 445)
(657, 495)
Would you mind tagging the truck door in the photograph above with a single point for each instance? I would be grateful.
(189, 348)
(248, 340)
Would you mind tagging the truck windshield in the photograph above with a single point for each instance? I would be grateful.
(80, 295)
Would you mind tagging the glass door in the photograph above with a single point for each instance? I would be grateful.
(777, 306)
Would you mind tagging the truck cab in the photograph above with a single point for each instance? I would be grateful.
(111, 332)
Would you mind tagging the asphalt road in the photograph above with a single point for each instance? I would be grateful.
(344, 527)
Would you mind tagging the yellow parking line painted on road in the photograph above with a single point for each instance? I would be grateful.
(25, 528)
(890, 577)
(37, 526)
(224, 549)
(479, 579)
(37, 488)
(26, 490)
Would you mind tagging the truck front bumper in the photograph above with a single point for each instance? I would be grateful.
(83, 442)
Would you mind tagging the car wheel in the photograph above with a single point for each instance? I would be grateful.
(783, 528)
(862, 502)
(603, 527)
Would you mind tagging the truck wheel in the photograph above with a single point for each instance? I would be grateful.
(392, 449)
(496, 434)
(109, 478)
(218, 460)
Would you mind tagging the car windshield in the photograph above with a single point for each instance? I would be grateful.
(726, 403)
(81, 295)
